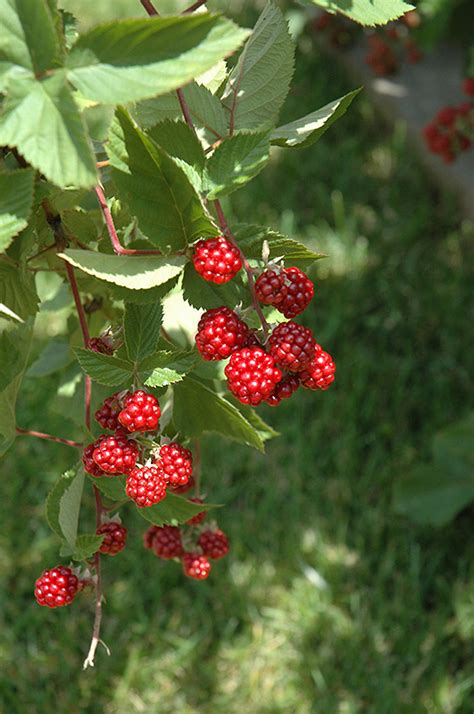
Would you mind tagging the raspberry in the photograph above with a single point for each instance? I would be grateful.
(89, 464)
(320, 373)
(446, 116)
(284, 389)
(149, 537)
(56, 587)
(116, 454)
(115, 536)
(199, 517)
(252, 375)
(146, 486)
(107, 414)
(217, 260)
(175, 464)
(220, 332)
(292, 346)
(270, 287)
(214, 544)
(289, 290)
(141, 412)
(167, 542)
(196, 566)
(183, 489)
(468, 86)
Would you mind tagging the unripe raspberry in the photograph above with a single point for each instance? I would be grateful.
(89, 464)
(220, 332)
(214, 544)
(103, 345)
(196, 566)
(320, 373)
(292, 346)
(167, 542)
(116, 454)
(107, 414)
(146, 486)
(252, 375)
(56, 587)
(217, 260)
(149, 537)
(141, 412)
(284, 389)
(115, 536)
(175, 464)
(199, 517)
(300, 293)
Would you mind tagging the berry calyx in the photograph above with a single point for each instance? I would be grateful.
(116, 454)
(284, 389)
(292, 346)
(115, 536)
(199, 517)
(214, 544)
(141, 412)
(289, 290)
(56, 587)
(107, 414)
(252, 375)
(196, 566)
(89, 464)
(146, 486)
(175, 464)
(320, 373)
(217, 260)
(220, 332)
(167, 542)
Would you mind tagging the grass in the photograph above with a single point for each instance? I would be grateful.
(330, 603)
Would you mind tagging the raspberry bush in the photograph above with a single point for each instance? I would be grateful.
(117, 148)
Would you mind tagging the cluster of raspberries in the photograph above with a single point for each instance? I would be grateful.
(452, 130)
(272, 369)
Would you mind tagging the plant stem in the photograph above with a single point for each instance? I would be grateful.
(48, 437)
(194, 6)
(89, 660)
(185, 109)
(148, 5)
(197, 466)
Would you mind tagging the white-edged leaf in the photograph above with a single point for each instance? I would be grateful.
(237, 160)
(141, 326)
(16, 201)
(104, 369)
(367, 12)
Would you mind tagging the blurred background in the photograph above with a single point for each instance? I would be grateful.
(350, 584)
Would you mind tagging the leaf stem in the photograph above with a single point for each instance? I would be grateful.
(48, 437)
(194, 6)
(148, 5)
(185, 109)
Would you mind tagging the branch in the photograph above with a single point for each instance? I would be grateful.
(185, 109)
(148, 5)
(49, 437)
(194, 6)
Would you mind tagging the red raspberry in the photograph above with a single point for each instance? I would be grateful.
(196, 566)
(199, 517)
(284, 389)
(300, 293)
(89, 464)
(56, 587)
(320, 373)
(149, 537)
(115, 536)
(214, 544)
(183, 489)
(167, 542)
(175, 464)
(270, 287)
(116, 454)
(468, 86)
(141, 412)
(146, 486)
(217, 260)
(220, 332)
(252, 375)
(107, 414)
(292, 346)
(446, 116)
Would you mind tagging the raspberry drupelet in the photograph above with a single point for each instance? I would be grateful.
(196, 566)
(320, 372)
(141, 412)
(146, 486)
(252, 375)
(115, 537)
(56, 587)
(175, 464)
(214, 544)
(116, 454)
(217, 260)
(220, 332)
(292, 346)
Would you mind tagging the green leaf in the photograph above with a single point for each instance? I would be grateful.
(98, 120)
(113, 487)
(236, 161)
(142, 297)
(16, 201)
(125, 61)
(87, 544)
(167, 368)
(192, 400)
(132, 272)
(259, 83)
(104, 369)
(453, 448)
(179, 141)
(63, 505)
(41, 119)
(55, 356)
(264, 430)
(10, 359)
(251, 238)
(18, 296)
(28, 35)
(367, 12)
(142, 325)
(202, 294)
(157, 191)
(310, 128)
(173, 509)
(20, 337)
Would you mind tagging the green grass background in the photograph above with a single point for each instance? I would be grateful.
(329, 602)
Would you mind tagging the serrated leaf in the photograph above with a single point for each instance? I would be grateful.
(125, 61)
(55, 356)
(173, 509)
(156, 189)
(179, 141)
(192, 400)
(28, 35)
(132, 272)
(63, 505)
(237, 160)
(104, 369)
(21, 337)
(259, 83)
(142, 297)
(310, 128)
(142, 325)
(10, 359)
(202, 294)
(16, 201)
(18, 296)
(98, 120)
(167, 368)
(113, 487)
(87, 544)
(41, 119)
(251, 237)
(264, 430)
(367, 12)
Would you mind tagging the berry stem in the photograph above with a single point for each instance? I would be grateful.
(248, 270)
(48, 437)
(194, 7)
(89, 660)
(148, 5)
